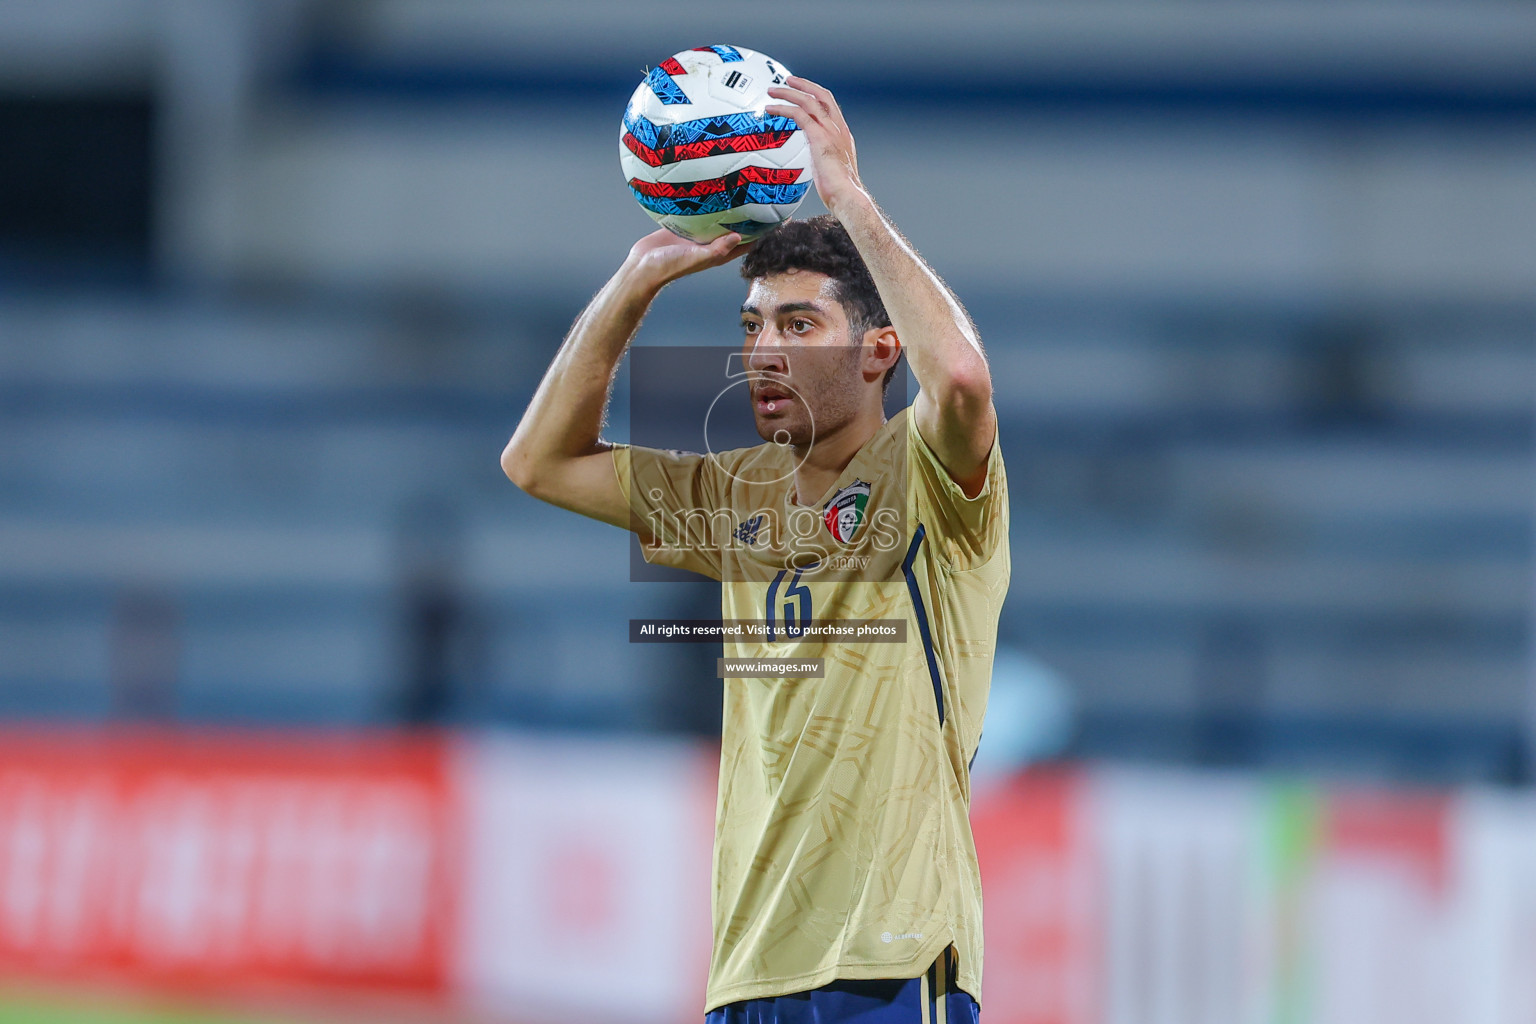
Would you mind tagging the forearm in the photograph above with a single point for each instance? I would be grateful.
(953, 410)
(935, 331)
(565, 418)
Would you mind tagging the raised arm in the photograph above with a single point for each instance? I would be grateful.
(954, 406)
(557, 453)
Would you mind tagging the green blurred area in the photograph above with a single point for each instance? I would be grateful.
(24, 1003)
(34, 1008)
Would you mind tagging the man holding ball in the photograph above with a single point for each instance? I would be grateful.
(846, 886)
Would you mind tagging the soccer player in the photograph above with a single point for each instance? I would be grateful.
(845, 877)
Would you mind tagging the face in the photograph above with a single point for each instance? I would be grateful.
(804, 361)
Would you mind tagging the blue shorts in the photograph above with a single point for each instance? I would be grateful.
(930, 999)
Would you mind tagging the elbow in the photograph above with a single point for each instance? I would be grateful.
(519, 468)
(969, 388)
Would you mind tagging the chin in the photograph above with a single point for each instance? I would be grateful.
(773, 429)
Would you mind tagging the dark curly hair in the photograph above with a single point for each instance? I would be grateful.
(821, 245)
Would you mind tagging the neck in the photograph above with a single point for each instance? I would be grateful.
(823, 462)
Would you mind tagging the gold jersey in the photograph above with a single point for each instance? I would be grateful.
(843, 846)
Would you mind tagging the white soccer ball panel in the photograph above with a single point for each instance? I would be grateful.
(708, 227)
(713, 86)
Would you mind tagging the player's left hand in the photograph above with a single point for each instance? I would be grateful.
(833, 159)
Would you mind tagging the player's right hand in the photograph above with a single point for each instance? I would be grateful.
(662, 257)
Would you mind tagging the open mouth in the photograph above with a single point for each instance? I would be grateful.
(770, 398)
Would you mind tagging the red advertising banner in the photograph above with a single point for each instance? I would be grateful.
(1036, 870)
(568, 879)
(1384, 916)
(1404, 832)
(226, 857)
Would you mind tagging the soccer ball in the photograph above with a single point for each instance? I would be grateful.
(699, 153)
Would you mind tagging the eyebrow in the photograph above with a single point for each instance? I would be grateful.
(788, 307)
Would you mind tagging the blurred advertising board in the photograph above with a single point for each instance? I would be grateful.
(586, 877)
(529, 878)
(216, 859)
(1032, 838)
(1149, 896)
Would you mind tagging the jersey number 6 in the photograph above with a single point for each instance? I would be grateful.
(796, 607)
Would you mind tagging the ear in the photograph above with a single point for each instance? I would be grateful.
(881, 350)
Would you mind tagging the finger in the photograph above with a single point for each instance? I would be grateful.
(787, 107)
(816, 133)
(736, 250)
(723, 246)
(799, 96)
(801, 82)
(823, 96)
(820, 109)
(796, 113)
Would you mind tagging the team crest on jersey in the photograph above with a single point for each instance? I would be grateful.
(844, 514)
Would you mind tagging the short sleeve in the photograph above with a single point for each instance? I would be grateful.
(673, 498)
(966, 532)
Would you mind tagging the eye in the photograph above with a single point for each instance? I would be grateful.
(750, 327)
(800, 326)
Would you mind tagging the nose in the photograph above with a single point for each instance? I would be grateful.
(765, 355)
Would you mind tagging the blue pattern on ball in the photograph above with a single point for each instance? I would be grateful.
(725, 126)
(717, 202)
(665, 89)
